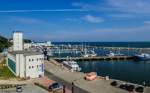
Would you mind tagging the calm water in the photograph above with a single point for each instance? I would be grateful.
(108, 44)
(131, 71)
(136, 72)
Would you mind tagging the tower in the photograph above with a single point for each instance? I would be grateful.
(17, 41)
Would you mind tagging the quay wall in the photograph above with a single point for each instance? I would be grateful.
(96, 58)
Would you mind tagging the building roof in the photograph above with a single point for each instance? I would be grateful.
(26, 53)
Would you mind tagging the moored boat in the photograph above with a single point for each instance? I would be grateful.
(143, 56)
(89, 54)
(72, 65)
(111, 54)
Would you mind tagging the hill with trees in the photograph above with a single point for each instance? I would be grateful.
(4, 43)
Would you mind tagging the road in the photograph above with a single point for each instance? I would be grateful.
(26, 89)
(67, 84)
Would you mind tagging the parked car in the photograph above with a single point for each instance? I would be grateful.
(114, 83)
(19, 88)
(139, 89)
(91, 76)
(55, 86)
(130, 88)
(122, 86)
(127, 87)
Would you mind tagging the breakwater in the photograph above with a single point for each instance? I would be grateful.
(95, 58)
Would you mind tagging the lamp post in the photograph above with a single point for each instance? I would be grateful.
(73, 84)
(72, 89)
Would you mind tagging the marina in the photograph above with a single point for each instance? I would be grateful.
(74, 46)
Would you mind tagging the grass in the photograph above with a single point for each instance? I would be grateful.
(5, 73)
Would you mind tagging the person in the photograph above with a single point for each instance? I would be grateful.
(144, 84)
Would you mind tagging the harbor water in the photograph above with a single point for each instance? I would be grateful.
(129, 70)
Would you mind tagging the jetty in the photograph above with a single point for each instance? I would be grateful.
(95, 58)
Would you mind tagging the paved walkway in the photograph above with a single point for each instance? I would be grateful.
(15, 81)
(96, 86)
(1, 57)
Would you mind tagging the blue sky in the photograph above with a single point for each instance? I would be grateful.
(77, 20)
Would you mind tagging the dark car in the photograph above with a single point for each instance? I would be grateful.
(127, 87)
(139, 89)
(19, 88)
(114, 83)
(130, 88)
(55, 86)
(123, 86)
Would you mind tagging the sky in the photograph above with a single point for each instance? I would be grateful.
(77, 20)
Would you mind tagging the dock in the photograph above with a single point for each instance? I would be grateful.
(95, 58)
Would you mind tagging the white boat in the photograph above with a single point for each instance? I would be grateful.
(92, 54)
(111, 54)
(72, 65)
(143, 56)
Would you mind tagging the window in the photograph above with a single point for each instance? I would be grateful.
(32, 59)
(29, 67)
(32, 66)
(29, 60)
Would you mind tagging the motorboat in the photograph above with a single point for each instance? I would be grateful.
(72, 65)
(112, 54)
(143, 56)
(91, 54)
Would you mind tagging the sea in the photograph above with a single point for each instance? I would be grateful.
(127, 70)
(109, 44)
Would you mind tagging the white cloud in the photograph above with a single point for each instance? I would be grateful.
(93, 19)
(130, 6)
(122, 15)
(147, 22)
(136, 7)
(25, 20)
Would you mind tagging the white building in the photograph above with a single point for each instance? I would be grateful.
(27, 45)
(17, 41)
(24, 64)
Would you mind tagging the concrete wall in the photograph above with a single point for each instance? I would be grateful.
(20, 65)
(34, 66)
